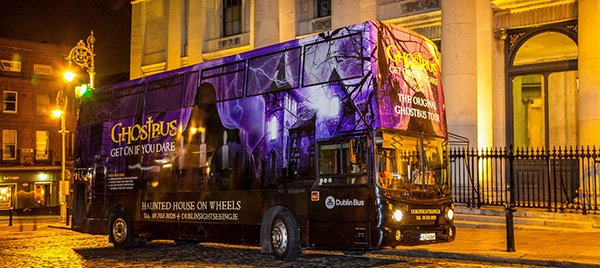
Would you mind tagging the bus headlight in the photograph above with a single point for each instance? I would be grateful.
(449, 214)
(398, 215)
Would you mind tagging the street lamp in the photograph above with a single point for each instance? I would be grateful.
(83, 55)
(56, 114)
(59, 113)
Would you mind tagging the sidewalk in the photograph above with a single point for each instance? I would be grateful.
(28, 223)
(533, 247)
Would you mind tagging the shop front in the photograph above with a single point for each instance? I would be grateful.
(29, 192)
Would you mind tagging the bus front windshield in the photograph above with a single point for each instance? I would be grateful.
(411, 162)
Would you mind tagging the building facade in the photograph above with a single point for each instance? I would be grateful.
(30, 163)
(521, 72)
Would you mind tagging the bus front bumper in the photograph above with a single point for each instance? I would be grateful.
(407, 235)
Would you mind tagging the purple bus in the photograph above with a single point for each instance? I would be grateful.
(332, 141)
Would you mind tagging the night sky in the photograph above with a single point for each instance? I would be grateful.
(68, 21)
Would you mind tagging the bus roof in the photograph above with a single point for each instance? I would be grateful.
(389, 76)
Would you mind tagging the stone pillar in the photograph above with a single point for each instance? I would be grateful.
(589, 73)
(197, 20)
(266, 23)
(287, 20)
(137, 39)
(459, 66)
(485, 37)
(344, 12)
(174, 35)
(498, 92)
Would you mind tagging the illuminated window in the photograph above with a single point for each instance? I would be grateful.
(232, 17)
(9, 144)
(42, 194)
(10, 102)
(544, 91)
(6, 196)
(42, 102)
(273, 128)
(41, 145)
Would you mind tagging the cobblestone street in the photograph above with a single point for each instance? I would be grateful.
(59, 247)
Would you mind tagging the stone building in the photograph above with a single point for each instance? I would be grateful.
(522, 72)
(30, 162)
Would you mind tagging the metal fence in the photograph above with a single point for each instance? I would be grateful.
(558, 179)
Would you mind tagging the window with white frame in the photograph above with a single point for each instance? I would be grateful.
(10, 66)
(9, 144)
(232, 17)
(42, 69)
(41, 145)
(10, 102)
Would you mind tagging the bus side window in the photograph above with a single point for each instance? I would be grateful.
(157, 90)
(342, 163)
(357, 151)
(328, 159)
(206, 94)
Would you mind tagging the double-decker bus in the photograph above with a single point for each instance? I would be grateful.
(332, 141)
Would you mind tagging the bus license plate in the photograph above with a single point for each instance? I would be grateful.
(427, 237)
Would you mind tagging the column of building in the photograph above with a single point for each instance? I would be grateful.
(459, 67)
(344, 13)
(265, 30)
(137, 38)
(589, 73)
(196, 22)
(174, 34)
(485, 37)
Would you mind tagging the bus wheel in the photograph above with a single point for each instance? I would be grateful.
(451, 234)
(285, 237)
(120, 231)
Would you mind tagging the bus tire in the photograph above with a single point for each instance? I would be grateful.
(285, 237)
(451, 234)
(119, 232)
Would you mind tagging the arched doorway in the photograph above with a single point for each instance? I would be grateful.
(542, 87)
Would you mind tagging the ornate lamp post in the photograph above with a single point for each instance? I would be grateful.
(83, 55)
(59, 113)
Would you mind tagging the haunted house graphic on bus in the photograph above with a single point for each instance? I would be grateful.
(253, 120)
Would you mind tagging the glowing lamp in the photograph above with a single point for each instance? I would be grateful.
(69, 76)
(57, 113)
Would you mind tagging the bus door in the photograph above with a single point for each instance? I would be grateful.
(338, 209)
(97, 198)
(81, 192)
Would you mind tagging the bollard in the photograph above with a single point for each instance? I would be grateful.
(10, 215)
(510, 229)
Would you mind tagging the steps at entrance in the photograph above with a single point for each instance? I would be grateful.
(525, 219)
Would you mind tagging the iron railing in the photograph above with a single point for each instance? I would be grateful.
(557, 179)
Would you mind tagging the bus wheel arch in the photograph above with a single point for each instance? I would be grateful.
(119, 229)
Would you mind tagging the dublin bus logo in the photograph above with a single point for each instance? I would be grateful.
(330, 202)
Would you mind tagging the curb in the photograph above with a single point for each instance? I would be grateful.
(482, 258)
(66, 227)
